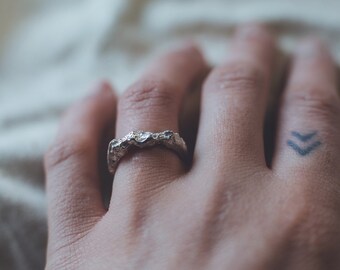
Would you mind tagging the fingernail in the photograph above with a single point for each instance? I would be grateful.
(311, 47)
(103, 87)
(189, 45)
(251, 30)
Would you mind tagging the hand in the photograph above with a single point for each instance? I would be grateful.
(229, 210)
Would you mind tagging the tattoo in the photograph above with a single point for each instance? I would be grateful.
(303, 138)
(303, 145)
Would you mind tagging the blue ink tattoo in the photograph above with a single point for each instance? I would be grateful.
(303, 138)
(304, 146)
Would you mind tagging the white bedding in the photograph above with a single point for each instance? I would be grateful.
(52, 51)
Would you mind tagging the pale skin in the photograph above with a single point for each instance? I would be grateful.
(229, 209)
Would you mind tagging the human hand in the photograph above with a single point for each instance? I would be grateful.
(229, 210)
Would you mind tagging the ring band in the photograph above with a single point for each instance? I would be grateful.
(118, 148)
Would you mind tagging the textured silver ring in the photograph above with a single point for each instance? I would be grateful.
(118, 148)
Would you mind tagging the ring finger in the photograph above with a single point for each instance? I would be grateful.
(153, 104)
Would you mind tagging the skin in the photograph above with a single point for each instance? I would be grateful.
(228, 209)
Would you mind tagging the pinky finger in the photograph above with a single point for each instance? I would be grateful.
(72, 179)
(309, 129)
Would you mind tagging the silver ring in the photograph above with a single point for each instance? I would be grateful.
(118, 148)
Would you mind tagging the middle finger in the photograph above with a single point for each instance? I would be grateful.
(234, 102)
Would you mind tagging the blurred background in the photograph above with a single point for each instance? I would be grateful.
(52, 51)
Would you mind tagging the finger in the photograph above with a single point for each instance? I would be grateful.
(189, 114)
(71, 164)
(308, 131)
(153, 104)
(234, 102)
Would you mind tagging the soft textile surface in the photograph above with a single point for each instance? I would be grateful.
(56, 49)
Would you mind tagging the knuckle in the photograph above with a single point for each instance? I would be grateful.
(237, 77)
(65, 151)
(315, 102)
(147, 95)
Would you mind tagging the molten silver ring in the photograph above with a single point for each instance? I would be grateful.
(118, 148)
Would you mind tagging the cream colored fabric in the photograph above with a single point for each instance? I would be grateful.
(53, 50)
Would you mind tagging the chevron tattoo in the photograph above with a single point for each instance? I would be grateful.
(303, 143)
